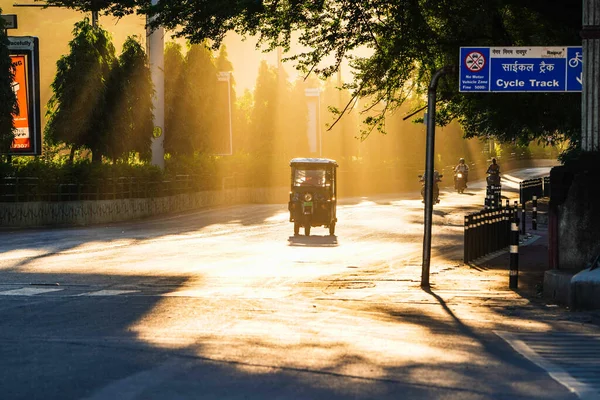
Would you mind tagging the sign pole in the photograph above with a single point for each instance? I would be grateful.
(431, 100)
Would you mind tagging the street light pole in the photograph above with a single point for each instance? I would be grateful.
(155, 41)
(430, 153)
(226, 76)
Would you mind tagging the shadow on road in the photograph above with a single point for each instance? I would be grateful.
(313, 241)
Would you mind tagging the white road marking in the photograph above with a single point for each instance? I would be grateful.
(28, 291)
(135, 385)
(107, 292)
(526, 344)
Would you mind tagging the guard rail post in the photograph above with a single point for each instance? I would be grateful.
(467, 240)
(523, 217)
(478, 241)
(534, 213)
(506, 227)
(513, 280)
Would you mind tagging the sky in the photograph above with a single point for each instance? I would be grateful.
(53, 26)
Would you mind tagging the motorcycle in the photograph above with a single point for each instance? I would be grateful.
(436, 189)
(493, 179)
(460, 182)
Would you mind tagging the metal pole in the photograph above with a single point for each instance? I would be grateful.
(524, 218)
(430, 154)
(320, 130)
(229, 102)
(513, 279)
(590, 35)
(156, 42)
(534, 213)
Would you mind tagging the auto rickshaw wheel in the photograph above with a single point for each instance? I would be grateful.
(332, 229)
(307, 230)
(296, 229)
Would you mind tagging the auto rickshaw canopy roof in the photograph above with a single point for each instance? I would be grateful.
(326, 161)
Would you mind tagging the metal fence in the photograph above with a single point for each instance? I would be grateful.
(493, 197)
(546, 186)
(486, 231)
(20, 189)
(532, 187)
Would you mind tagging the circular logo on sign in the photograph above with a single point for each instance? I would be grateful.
(475, 61)
(157, 132)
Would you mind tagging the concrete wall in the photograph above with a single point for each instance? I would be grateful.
(579, 223)
(38, 214)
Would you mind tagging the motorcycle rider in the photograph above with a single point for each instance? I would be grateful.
(494, 171)
(463, 168)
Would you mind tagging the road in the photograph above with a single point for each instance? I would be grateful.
(225, 304)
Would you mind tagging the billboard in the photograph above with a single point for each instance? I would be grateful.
(21, 118)
(24, 54)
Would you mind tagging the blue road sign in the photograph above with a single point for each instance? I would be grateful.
(520, 69)
(574, 69)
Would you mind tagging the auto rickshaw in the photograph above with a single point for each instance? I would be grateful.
(313, 194)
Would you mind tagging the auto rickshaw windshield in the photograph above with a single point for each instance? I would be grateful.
(310, 177)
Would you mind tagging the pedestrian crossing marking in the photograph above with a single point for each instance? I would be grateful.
(559, 362)
(107, 292)
(28, 291)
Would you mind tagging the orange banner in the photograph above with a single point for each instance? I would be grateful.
(22, 139)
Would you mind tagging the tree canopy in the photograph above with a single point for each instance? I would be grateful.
(394, 46)
(77, 110)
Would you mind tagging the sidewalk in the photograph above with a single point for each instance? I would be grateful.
(533, 257)
(536, 279)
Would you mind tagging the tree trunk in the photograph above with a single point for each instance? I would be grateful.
(96, 157)
(72, 155)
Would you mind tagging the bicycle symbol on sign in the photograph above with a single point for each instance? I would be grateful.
(575, 61)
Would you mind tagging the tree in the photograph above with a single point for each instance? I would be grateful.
(130, 104)
(77, 111)
(177, 140)
(394, 47)
(263, 123)
(200, 81)
(8, 99)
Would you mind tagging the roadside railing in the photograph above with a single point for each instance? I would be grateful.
(530, 188)
(493, 197)
(20, 189)
(486, 231)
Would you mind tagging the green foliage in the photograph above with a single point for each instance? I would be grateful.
(8, 99)
(177, 140)
(130, 92)
(263, 124)
(394, 47)
(78, 109)
(117, 8)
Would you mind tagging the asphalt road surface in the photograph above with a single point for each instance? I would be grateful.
(227, 304)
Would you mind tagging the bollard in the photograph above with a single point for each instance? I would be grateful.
(534, 213)
(467, 240)
(506, 227)
(513, 280)
(498, 196)
(523, 218)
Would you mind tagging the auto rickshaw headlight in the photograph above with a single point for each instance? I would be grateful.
(307, 197)
(320, 197)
